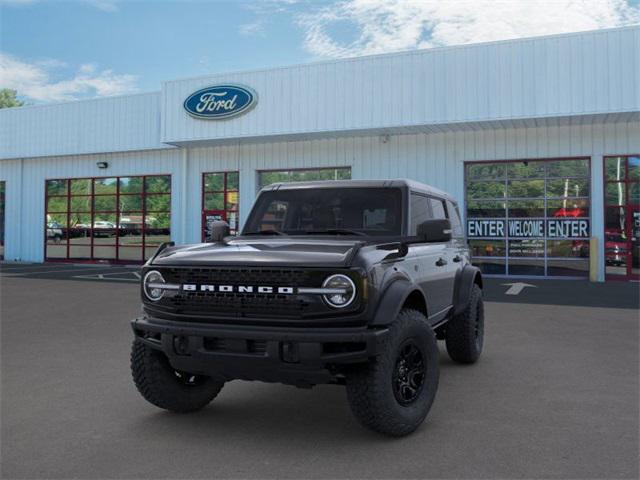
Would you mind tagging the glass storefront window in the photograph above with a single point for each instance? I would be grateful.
(486, 209)
(486, 190)
(525, 208)
(486, 171)
(525, 188)
(533, 215)
(569, 187)
(614, 168)
(568, 168)
(104, 218)
(487, 248)
(2, 197)
(622, 217)
(220, 198)
(525, 169)
(526, 248)
(615, 193)
(633, 172)
(568, 248)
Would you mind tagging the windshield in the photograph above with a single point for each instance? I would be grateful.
(331, 211)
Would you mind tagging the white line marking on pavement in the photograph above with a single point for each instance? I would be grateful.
(38, 272)
(516, 288)
(97, 277)
(136, 274)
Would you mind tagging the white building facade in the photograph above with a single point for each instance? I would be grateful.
(538, 139)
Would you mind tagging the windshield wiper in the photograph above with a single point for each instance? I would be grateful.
(334, 231)
(265, 232)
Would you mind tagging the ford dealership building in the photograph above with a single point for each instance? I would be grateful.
(538, 139)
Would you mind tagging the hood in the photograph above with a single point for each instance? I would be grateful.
(297, 252)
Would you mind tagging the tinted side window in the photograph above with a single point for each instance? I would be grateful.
(419, 212)
(437, 206)
(454, 216)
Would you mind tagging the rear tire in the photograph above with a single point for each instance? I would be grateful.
(161, 385)
(464, 334)
(390, 395)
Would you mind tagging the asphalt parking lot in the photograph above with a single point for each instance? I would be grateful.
(555, 395)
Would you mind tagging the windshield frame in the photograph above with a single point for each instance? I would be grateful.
(255, 210)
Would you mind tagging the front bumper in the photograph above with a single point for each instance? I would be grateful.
(302, 357)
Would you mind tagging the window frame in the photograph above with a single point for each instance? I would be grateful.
(627, 209)
(225, 199)
(546, 178)
(117, 213)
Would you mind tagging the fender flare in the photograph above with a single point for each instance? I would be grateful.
(464, 281)
(392, 300)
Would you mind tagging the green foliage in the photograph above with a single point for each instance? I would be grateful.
(8, 98)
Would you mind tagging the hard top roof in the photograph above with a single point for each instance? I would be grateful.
(395, 183)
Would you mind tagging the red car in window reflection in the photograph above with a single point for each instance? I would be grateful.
(569, 212)
(615, 248)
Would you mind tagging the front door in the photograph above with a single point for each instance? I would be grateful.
(208, 217)
(622, 217)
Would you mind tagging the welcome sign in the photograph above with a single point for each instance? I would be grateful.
(220, 102)
(528, 228)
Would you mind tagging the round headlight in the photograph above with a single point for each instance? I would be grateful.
(152, 285)
(343, 291)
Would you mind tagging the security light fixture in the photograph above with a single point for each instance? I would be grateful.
(102, 164)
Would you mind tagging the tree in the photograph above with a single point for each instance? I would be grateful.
(8, 98)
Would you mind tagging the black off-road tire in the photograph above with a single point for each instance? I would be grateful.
(371, 389)
(161, 385)
(464, 334)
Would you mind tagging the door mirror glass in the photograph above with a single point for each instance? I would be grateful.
(218, 230)
(438, 230)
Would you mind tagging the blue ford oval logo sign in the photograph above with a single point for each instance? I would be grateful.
(220, 101)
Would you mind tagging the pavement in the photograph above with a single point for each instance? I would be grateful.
(555, 395)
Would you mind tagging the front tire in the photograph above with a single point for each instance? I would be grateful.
(464, 334)
(163, 386)
(394, 393)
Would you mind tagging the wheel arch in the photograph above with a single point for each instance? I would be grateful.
(465, 279)
(400, 294)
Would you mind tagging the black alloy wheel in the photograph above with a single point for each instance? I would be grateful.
(408, 374)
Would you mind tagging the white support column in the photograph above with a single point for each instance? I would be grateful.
(597, 210)
(184, 197)
(248, 180)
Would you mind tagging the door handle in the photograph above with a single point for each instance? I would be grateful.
(457, 258)
(441, 262)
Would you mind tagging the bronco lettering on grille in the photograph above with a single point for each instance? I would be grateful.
(192, 287)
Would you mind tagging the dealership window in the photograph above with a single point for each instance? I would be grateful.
(529, 218)
(622, 217)
(220, 200)
(267, 177)
(107, 219)
(2, 187)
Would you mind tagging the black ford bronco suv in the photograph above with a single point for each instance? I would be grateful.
(344, 282)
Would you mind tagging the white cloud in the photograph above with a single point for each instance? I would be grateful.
(104, 5)
(34, 80)
(390, 25)
(252, 29)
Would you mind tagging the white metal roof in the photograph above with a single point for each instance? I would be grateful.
(565, 79)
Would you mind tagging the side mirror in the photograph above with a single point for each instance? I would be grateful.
(435, 230)
(217, 230)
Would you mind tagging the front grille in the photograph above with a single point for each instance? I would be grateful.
(212, 304)
(242, 276)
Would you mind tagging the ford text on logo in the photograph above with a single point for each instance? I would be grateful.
(190, 287)
(220, 101)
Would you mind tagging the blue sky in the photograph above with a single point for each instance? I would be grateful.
(54, 51)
